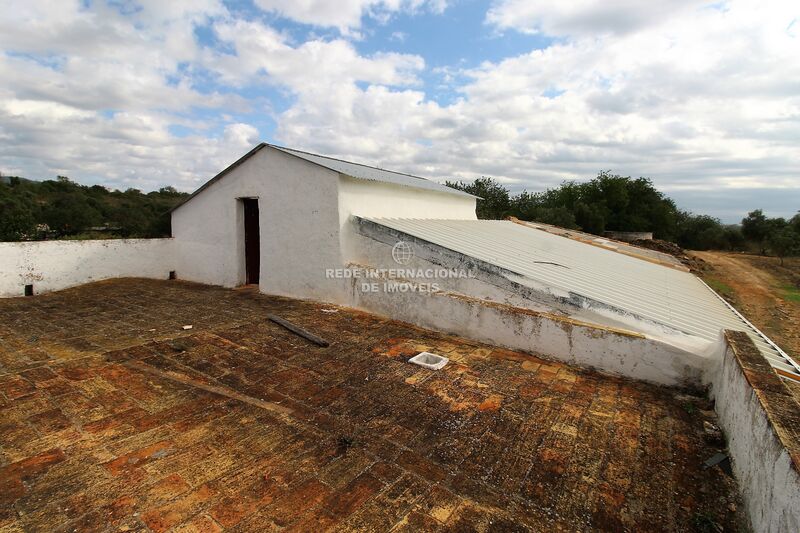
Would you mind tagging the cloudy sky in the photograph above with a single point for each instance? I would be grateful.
(702, 97)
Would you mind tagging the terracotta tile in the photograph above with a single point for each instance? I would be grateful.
(498, 440)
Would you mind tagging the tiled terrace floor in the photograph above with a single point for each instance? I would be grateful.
(108, 421)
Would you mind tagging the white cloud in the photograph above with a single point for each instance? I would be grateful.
(92, 92)
(693, 96)
(313, 66)
(126, 149)
(698, 97)
(345, 15)
(582, 17)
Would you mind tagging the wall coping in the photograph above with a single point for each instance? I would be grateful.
(78, 241)
(779, 404)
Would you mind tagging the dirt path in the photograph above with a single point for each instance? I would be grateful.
(758, 287)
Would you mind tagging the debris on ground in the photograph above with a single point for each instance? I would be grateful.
(721, 460)
(670, 248)
(712, 434)
(187, 327)
(319, 341)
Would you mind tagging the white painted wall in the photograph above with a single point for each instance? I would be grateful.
(55, 265)
(373, 248)
(304, 212)
(368, 251)
(489, 309)
(368, 198)
(385, 200)
(299, 227)
(559, 338)
(770, 485)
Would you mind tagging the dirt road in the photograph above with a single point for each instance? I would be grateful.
(762, 290)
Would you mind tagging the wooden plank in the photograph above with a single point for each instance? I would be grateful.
(319, 341)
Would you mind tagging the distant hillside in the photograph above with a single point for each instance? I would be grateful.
(7, 179)
(63, 209)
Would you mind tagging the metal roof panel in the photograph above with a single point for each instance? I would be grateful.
(653, 292)
(366, 172)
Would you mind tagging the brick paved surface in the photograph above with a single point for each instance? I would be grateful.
(113, 417)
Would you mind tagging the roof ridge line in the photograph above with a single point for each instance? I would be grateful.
(287, 149)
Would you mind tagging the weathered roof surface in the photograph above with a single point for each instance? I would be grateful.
(604, 242)
(365, 172)
(592, 275)
(115, 418)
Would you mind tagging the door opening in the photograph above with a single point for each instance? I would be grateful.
(252, 241)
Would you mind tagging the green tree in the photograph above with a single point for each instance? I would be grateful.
(591, 217)
(16, 222)
(493, 199)
(701, 232)
(734, 238)
(556, 216)
(70, 213)
(169, 191)
(69, 208)
(784, 242)
(608, 201)
(756, 227)
(795, 223)
(131, 220)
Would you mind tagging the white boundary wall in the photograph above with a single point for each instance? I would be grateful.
(761, 462)
(54, 265)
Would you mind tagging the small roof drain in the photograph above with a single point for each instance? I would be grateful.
(429, 360)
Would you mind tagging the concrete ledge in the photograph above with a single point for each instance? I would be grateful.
(578, 343)
(761, 418)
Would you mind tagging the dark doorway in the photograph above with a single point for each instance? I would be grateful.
(252, 241)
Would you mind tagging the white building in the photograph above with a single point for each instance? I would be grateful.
(301, 206)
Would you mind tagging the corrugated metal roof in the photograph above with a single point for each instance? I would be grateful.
(653, 292)
(365, 172)
(611, 244)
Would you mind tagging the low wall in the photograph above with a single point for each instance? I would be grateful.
(611, 350)
(55, 265)
(761, 418)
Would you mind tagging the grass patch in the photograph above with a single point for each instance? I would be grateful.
(791, 294)
(723, 289)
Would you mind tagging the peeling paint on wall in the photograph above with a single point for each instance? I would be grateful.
(579, 343)
(55, 265)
